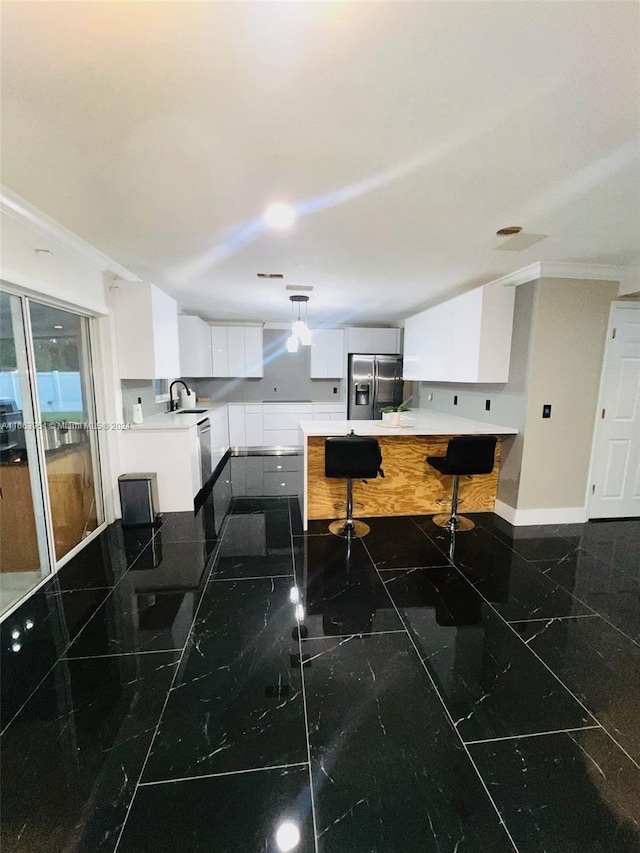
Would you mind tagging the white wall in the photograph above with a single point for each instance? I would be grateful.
(630, 282)
(568, 343)
(61, 275)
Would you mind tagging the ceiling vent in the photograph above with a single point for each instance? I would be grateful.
(270, 275)
(520, 242)
(306, 288)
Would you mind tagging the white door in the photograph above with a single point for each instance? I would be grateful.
(615, 490)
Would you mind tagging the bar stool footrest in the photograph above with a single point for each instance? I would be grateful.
(458, 522)
(349, 529)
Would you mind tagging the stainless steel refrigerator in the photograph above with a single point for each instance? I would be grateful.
(375, 381)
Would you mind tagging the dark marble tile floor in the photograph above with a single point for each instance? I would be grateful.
(226, 682)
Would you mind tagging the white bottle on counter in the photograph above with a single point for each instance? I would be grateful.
(136, 415)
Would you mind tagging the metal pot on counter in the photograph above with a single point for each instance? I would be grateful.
(51, 436)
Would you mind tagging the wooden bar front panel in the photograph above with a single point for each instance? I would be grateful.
(410, 486)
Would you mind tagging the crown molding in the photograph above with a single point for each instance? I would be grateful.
(27, 214)
(560, 269)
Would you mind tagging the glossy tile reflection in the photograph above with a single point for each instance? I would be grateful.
(609, 592)
(599, 665)
(76, 750)
(492, 684)
(256, 543)
(564, 793)
(172, 684)
(383, 782)
(237, 702)
(341, 592)
(225, 814)
(152, 608)
(35, 635)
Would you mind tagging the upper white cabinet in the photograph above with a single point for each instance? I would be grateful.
(237, 351)
(467, 339)
(146, 321)
(327, 354)
(372, 341)
(195, 346)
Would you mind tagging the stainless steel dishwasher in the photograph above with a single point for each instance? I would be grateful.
(204, 443)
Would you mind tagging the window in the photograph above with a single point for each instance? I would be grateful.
(161, 387)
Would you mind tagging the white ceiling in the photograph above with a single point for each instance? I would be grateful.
(408, 133)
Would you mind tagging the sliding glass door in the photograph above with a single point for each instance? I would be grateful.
(24, 556)
(67, 418)
(50, 495)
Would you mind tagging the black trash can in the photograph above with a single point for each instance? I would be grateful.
(138, 498)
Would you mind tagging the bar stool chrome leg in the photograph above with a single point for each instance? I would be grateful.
(454, 521)
(349, 527)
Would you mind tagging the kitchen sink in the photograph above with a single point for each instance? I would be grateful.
(189, 412)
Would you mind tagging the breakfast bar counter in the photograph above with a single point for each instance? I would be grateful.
(410, 485)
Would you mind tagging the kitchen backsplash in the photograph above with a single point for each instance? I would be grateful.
(145, 389)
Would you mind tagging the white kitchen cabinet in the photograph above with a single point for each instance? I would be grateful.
(146, 322)
(373, 340)
(327, 354)
(482, 322)
(427, 344)
(219, 436)
(467, 339)
(329, 412)
(237, 435)
(245, 425)
(253, 352)
(195, 347)
(280, 422)
(219, 351)
(237, 351)
(254, 436)
(175, 458)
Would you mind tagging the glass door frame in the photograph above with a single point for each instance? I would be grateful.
(89, 338)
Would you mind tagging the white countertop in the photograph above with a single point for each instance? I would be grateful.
(175, 421)
(416, 422)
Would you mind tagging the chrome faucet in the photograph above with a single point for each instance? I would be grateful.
(173, 404)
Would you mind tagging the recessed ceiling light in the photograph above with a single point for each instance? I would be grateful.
(307, 288)
(279, 215)
(507, 232)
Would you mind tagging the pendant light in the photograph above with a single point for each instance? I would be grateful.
(300, 332)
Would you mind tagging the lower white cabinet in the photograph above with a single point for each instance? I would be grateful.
(329, 412)
(281, 423)
(253, 429)
(174, 456)
(237, 434)
(276, 424)
(219, 436)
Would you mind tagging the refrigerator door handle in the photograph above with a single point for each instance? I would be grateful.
(376, 388)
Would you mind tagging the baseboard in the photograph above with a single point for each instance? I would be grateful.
(553, 515)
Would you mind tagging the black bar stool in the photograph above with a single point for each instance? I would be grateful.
(348, 457)
(466, 454)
